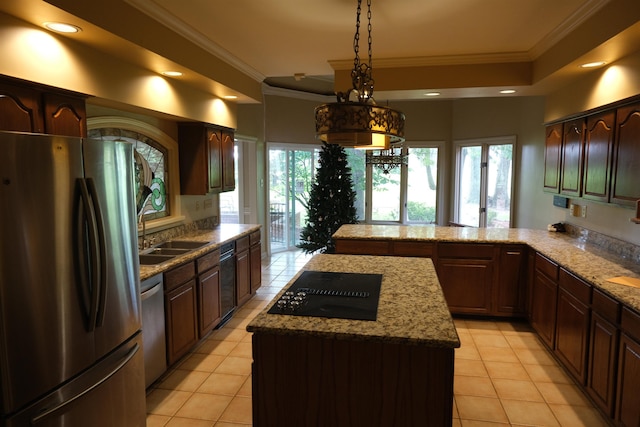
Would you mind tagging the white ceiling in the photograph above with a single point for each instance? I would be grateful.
(274, 40)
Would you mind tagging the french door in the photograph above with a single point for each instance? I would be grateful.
(291, 173)
(484, 182)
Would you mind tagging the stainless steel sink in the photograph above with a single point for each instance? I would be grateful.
(166, 251)
(181, 244)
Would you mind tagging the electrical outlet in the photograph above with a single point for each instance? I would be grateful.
(197, 205)
(583, 211)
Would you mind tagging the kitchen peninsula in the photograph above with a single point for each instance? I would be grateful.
(394, 371)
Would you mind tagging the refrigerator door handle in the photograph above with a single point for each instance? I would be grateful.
(64, 400)
(100, 254)
(88, 234)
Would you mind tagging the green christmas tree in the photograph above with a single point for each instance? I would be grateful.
(331, 201)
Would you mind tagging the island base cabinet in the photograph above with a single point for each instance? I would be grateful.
(309, 380)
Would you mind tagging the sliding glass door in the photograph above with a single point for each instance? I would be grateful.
(291, 172)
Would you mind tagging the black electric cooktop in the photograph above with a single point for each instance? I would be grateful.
(328, 294)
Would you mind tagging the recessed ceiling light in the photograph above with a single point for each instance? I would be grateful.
(507, 91)
(593, 64)
(172, 73)
(61, 27)
(432, 94)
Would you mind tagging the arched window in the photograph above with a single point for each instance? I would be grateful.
(155, 157)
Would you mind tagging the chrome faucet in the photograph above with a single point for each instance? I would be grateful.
(144, 244)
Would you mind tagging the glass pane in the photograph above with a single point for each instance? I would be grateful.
(229, 203)
(277, 197)
(422, 185)
(356, 161)
(301, 173)
(499, 186)
(469, 188)
(385, 196)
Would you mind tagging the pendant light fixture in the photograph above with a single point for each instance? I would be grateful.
(355, 120)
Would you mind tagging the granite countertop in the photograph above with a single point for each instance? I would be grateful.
(213, 238)
(411, 309)
(586, 261)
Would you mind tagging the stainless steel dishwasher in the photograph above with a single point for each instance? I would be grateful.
(153, 336)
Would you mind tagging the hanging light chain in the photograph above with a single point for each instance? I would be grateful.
(369, 29)
(356, 38)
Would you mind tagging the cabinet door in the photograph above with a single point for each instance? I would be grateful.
(552, 152)
(572, 334)
(20, 109)
(572, 157)
(603, 347)
(255, 254)
(64, 115)
(625, 181)
(466, 284)
(543, 307)
(181, 319)
(510, 294)
(243, 277)
(597, 156)
(209, 300)
(215, 149)
(628, 409)
(228, 161)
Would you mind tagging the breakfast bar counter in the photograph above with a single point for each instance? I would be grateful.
(394, 370)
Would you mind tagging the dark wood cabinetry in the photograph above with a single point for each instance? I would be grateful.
(243, 270)
(628, 390)
(385, 247)
(466, 273)
(206, 159)
(544, 297)
(552, 157)
(510, 294)
(625, 180)
(572, 155)
(597, 156)
(209, 312)
(255, 259)
(37, 109)
(181, 311)
(572, 324)
(603, 348)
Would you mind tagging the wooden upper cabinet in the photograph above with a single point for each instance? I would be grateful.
(552, 152)
(206, 159)
(625, 179)
(20, 109)
(572, 157)
(64, 115)
(597, 156)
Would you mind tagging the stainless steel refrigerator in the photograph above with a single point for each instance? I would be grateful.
(70, 334)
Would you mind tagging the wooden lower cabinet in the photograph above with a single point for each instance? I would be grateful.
(243, 271)
(181, 320)
(628, 406)
(466, 284)
(304, 380)
(544, 297)
(602, 362)
(209, 312)
(572, 324)
(510, 295)
(255, 259)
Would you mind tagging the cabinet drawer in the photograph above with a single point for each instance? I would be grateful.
(362, 247)
(207, 261)
(578, 288)
(606, 306)
(420, 249)
(465, 250)
(179, 275)
(242, 244)
(254, 238)
(548, 267)
(630, 323)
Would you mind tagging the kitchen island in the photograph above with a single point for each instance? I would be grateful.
(394, 371)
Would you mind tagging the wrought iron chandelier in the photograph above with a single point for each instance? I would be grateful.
(355, 120)
(387, 160)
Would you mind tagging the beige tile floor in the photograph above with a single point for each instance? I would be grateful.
(503, 374)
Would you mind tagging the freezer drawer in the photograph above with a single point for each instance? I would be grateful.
(111, 393)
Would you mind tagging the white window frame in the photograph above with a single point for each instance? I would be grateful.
(484, 143)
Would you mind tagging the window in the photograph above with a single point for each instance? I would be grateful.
(403, 194)
(484, 185)
(155, 159)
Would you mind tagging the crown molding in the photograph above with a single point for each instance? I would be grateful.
(490, 58)
(157, 12)
(290, 93)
